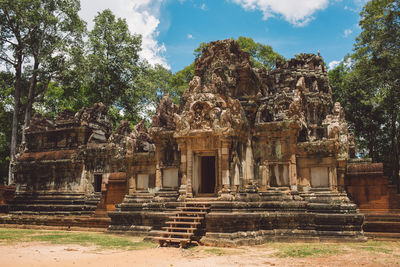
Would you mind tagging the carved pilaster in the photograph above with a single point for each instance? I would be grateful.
(189, 175)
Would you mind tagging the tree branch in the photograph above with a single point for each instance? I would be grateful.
(7, 41)
(7, 60)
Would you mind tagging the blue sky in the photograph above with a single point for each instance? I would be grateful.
(172, 29)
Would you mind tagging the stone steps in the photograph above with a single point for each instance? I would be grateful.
(53, 213)
(380, 236)
(56, 220)
(185, 225)
(180, 216)
(173, 223)
(54, 203)
(386, 223)
(178, 228)
(382, 226)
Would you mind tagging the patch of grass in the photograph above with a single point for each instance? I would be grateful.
(375, 246)
(88, 239)
(305, 250)
(85, 239)
(14, 235)
(301, 250)
(216, 251)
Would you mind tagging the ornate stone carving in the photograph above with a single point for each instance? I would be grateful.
(163, 119)
(39, 123)
(140, 140)
(96, 119)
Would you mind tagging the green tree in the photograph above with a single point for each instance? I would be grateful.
(6, 114)
(261, 56)
(367, 84)
(34, 32)
(112, 60)
(377, 47)
(179, 82)
(362, 104)
(150, 85)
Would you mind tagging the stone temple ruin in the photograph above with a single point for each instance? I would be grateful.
(247, 156)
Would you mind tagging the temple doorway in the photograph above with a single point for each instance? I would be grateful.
(207, 175)
(98, 179)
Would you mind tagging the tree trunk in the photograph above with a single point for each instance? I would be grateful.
(14, 131)
(30, 100)
(395, 151)
(371, 142)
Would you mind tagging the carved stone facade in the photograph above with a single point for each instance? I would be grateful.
(64, 167)
(268, 151)
(268, 129)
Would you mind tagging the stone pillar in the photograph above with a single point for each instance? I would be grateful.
(332, 178)
(236, 178)
(225, 165)
(183, 167)
(264, 173)
(183, 170)
(341, 171)
(189, 172)
(249, 164)
(158, 183)
(53, 173)
(224, 190)
(132, 180)
(293, 173)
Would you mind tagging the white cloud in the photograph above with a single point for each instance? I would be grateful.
(348, 63)
(347, 32)
(203, 7)
(333, 64)
(189, 36)
(355, 5)
(298, 13)
(142, 17)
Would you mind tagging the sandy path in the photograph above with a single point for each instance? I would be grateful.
(39, 254)
(32, 254)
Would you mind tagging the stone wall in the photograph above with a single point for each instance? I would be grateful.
(368, 187)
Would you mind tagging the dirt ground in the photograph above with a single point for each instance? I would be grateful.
(45, 254)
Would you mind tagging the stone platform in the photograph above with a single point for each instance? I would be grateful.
(382, 224)
(275, 215)
(57, 222)
(55, 209)
(54, 203)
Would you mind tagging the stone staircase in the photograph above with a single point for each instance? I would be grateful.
(54, 203)
(186, 226)
(382, 225)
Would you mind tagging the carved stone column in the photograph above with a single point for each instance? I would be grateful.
(132, 180)
(249, 164)
(225, 164)
(293, 173)
(158, 153)
(341, 172)
(224, 191)
(333, 178)
(189, 174)
(183, 169)
(264, 176)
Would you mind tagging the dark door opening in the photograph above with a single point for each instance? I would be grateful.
(97, 182)
(207, 184)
